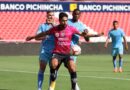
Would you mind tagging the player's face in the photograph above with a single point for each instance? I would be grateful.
(50, 15)
(115, 25)
(76, 15)
(63, 21)
(49, 20)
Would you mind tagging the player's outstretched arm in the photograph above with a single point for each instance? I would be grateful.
(106, 43)
(125, 43)
(40, 35)
(95, 35)
(92, 35)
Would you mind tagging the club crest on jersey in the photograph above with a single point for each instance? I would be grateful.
(62, 34)
(57, 34)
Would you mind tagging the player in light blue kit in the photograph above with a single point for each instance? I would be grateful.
(75, 39)
(79, 26)
(47, 46)
(116, 34)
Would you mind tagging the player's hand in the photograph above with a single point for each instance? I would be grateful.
(29, 38)
(126, 47)
(101, 34)
(105, 45)
(85, 32)
(87, 39)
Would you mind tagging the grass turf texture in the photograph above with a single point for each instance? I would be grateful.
(95, 72)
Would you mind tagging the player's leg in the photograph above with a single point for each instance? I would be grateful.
(114, 55)
(73, 74)
(120, 59)
(73, 66)
(56, 73)
(43, 60)
(41, 74)
(55, 62)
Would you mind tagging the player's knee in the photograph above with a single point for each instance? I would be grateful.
(42, 66)
(54, 64)
(120, 56)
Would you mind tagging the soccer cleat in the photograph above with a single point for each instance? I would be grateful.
(120, 70)
(115, 70)
(50, 88)
(76, 87)
(52, 85)
(39, 89)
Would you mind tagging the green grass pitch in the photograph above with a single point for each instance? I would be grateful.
(95, 72)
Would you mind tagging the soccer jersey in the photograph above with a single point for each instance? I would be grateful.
(116, 36)
(80, 27)
(63, 38)
(48, 42)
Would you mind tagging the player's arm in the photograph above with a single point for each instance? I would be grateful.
(41, 38)
(40, 35)
(95, 35)
(87, 36)
(125, 43)
(107, 41)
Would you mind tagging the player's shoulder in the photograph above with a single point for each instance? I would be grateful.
(54, 27)
(69, 20)
(42, 25)
(120, 29)
(110, 30)
(80, 22)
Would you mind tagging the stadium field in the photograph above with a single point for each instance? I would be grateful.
(95, 72)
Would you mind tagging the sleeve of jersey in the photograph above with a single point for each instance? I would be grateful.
(84, 27)
(123, 33)
(109, 35)
(51, 31)
(40, 29)
(75, 31)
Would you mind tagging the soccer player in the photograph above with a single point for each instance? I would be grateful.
(81, 28)
(47, 46)
(63, 34)
(116, 34)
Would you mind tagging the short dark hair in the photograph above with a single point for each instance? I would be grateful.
(49, 12)
(75, 10)
(62, 14)
(115, 21)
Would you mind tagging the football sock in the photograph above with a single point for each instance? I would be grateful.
(40, 78)
(114, 63)
(120, 63)
(53, 74)
(73, 80)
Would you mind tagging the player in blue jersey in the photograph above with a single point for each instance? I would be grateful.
(47, 46)
(116, 34)
(75, 39)
(75, 22)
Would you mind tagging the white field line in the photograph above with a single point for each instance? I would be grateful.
(79, 76)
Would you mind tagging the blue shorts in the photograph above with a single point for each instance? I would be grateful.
(45, 56)
(117, 51)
